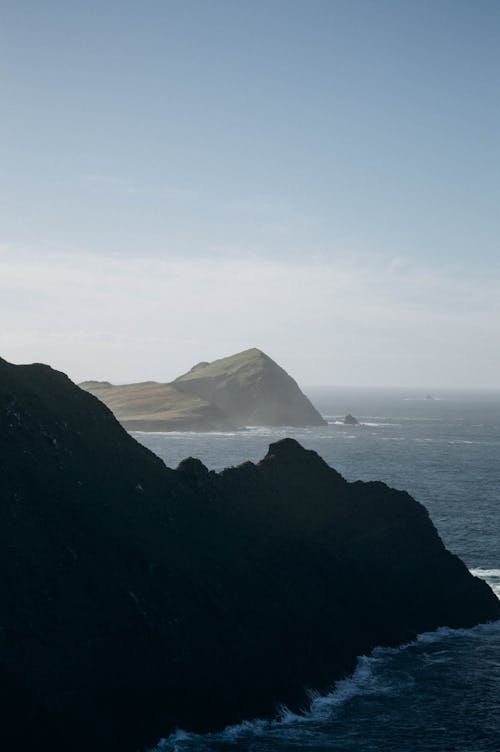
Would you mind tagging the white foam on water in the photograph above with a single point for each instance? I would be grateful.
(367, 679)
(363, 681)
(475, 442)
(491, 576)
(485, 573)
(445, 633)
(370, 423)
(380, 425)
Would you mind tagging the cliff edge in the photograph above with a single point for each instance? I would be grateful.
(136, 598)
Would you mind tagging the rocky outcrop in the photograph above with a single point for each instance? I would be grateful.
(350, 420)
(136, 598)
(247, 389)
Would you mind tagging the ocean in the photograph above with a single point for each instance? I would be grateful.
(441, 692)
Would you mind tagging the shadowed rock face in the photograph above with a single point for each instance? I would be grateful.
(247, 389)
(135, 598)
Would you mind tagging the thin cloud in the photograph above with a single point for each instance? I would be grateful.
(327, 322)
(101, 182)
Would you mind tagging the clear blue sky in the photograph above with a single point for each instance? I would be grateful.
(311, 139)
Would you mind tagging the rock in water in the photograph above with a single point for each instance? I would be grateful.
(247, 389)
(350, 420)
(136, 599)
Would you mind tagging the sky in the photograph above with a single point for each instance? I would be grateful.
(181, 180)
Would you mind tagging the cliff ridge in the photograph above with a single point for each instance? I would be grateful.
(137, 598)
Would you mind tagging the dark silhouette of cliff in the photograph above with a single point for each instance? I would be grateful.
(135, 598)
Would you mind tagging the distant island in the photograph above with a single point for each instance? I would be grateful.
(137, 599)
(245, 389)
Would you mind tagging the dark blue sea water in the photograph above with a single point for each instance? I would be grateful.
(443, 691)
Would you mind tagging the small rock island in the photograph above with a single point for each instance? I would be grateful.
(246, 389)
(350, 420)
(137, 599)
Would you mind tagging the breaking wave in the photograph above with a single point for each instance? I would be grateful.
(492, 577)
(384, 679)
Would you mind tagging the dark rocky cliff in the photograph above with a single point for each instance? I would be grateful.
(135, 598)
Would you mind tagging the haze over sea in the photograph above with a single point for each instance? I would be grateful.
(441, 692)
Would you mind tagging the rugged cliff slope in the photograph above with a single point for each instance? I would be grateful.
(252, 389)
(135, 598)
(246, 389)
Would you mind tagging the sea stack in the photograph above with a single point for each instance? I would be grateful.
(350, 420)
